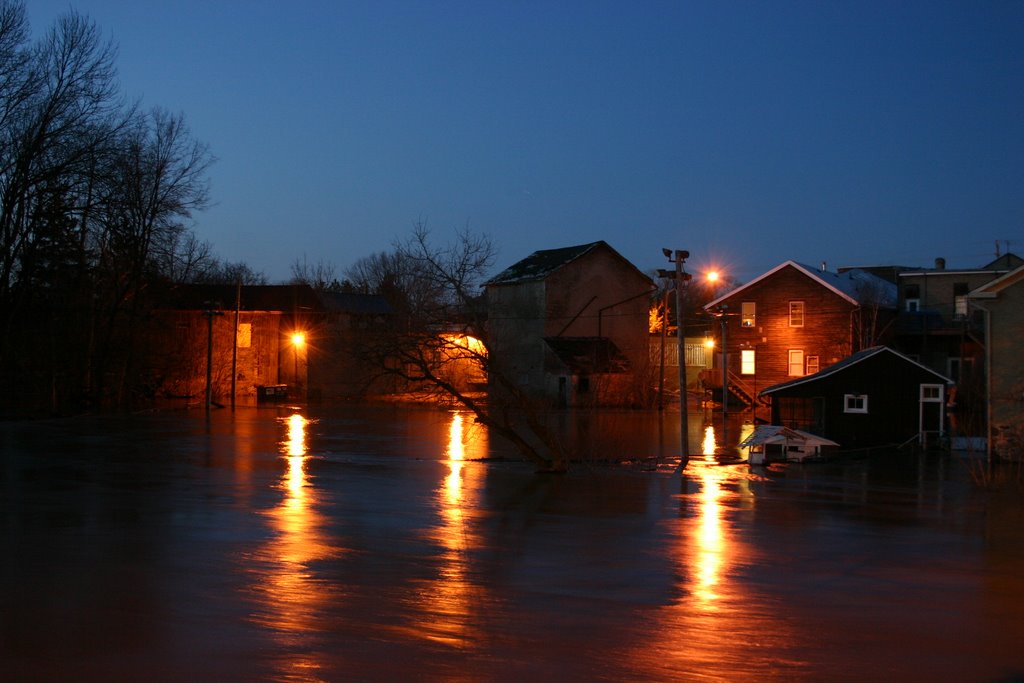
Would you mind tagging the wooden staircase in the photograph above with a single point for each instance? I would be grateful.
(744, 391)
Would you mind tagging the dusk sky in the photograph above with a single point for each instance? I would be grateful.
(748, 133)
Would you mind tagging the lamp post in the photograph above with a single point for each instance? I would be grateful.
(678, 257)
(725, 369)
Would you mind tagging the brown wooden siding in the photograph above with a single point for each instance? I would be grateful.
(826, 332)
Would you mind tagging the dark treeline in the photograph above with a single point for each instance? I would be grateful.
(95, 198)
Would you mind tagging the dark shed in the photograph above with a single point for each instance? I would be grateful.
(875, 397)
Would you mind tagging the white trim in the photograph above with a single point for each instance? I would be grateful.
(863, 409)
(868, 353)
(803, 269)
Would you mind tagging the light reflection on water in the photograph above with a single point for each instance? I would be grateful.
(293, 597)
(374, 546)
(447, 605)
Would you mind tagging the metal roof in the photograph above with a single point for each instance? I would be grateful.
(850, 284)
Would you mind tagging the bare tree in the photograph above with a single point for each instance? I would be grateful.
(320, 275)
(230, 273)
(444, 330)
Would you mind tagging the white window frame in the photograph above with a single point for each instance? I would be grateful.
(959, 308)
(795, 363)
(913, 305)
(748, 314)
(855, 403)
(748, 362)
(937, 398)
(796, 313)
(813, 364)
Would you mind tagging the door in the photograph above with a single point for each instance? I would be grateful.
(932, 414)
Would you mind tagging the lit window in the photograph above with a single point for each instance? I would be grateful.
(748, 313)
(244, 335)
(747, 361)
(796, 362)
(813, 365)
(959, 300)
(960, 308)
(796, 313)
(855, 403)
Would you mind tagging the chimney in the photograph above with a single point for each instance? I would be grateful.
(824, 267)
(940, 263)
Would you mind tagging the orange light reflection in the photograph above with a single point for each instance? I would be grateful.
(291, 595)
(449, 601)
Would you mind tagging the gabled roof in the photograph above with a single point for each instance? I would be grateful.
(541, 264)
(847, 362)
(778, 434)
(848, 284)
(990, 289)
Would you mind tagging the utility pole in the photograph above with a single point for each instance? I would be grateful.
(678, 257)
(210, 312)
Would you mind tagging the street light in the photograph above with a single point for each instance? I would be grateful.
(678, 257)
(298, 341)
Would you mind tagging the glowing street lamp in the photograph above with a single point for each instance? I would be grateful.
(298, 341)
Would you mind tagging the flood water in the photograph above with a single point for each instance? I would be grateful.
(388, 543)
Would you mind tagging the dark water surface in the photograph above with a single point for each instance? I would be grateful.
(363, 543)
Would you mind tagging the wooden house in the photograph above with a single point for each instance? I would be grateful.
(1001, 303)
(793, 321)
(875, 397)
(570, 326)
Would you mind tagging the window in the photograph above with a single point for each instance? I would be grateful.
(796, 313)
(244, 335)
(959, 300)
(931, 393)
(855, 403)
(912, 297)
(796, 363)
(748, 313)
(812, 365)
(747, 362)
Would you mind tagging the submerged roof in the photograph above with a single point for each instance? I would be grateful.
(541, 264)
(766, 434)
(854, 285)
(846, 363)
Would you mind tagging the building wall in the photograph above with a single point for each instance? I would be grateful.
(181, 366)
(826, 331)
(515, 331)
(892, 386)
(1007, 360)
(595, 295)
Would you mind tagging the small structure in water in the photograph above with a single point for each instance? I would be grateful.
(775, 443)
